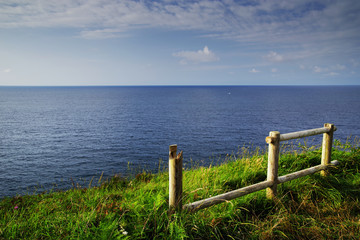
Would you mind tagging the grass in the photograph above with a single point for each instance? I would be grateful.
(311, 207)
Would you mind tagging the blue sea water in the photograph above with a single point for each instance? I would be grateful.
(50, 135)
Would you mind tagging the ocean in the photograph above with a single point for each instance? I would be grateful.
(52, 137)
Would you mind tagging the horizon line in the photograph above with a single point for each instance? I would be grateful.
(190, 85)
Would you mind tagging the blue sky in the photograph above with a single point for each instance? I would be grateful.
(166, 42)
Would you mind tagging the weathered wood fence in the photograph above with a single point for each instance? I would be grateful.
(274, 139)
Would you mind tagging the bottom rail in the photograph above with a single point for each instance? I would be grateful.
(201, 204)
(195, 206)
(305, 172)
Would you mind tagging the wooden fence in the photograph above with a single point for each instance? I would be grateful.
(274, 139)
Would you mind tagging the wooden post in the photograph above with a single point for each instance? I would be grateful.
(273, 163)
(327, 146)
(175, 178)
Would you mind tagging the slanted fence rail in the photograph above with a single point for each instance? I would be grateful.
(274, 139)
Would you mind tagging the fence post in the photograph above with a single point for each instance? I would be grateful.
(326, 147)
(175, 178)
(273, 163)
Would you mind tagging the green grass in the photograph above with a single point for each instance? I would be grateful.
(311, 207)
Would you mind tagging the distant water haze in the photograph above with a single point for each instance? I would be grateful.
(50, 135)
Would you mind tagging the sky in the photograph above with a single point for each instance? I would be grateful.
(167, 42)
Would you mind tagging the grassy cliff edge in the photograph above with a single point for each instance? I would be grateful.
(312, 207)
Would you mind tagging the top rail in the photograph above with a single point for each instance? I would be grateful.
(300, 134)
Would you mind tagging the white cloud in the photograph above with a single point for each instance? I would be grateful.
(274, 57)
(7, 70)
(200, 56)
(354, 62)
(329, 70)
(318, 69)
(274, 70)
(254, 70)
(339, 67)
(332, 74)
(101, 34)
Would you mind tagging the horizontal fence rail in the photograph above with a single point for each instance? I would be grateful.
(305, 172)
(227, 196)
(201, 204)
(273, 179)
(300, 134)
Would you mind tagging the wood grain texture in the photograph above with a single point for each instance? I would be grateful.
(273, 164)
(327, 146)
(175, 178)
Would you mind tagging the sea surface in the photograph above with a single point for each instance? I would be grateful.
(55, 137)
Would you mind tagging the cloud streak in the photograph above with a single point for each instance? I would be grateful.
(274, 57)
(276, 21)
(254, 71)
(200, 56)
(329, 71)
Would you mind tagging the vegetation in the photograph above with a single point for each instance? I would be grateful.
(311, 207)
